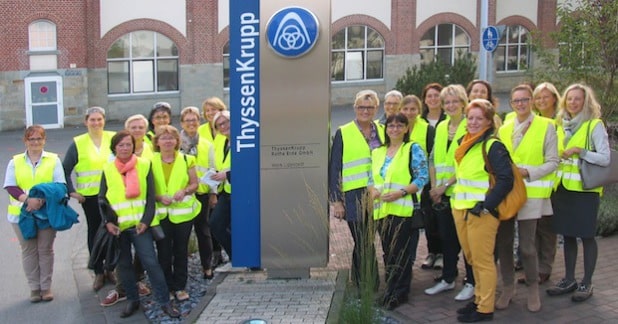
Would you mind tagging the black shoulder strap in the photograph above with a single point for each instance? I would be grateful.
(414, 199)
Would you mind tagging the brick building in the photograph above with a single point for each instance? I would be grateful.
(60, 57)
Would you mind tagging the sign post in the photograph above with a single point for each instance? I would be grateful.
(280, 118)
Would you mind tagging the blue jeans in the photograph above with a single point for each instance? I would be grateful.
(144, 248)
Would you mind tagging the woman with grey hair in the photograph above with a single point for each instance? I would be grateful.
(392, 100)
(87, 155)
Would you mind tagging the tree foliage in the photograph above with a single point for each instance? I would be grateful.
(587, 50)
(461, 72)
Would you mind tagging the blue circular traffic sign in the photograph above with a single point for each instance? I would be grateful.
(490, 38)
(292, 32)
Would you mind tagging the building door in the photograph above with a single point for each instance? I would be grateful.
(44, 101)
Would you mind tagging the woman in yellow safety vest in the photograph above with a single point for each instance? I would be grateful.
(576, 209)
(133, 203)
(433, 114)
(86, 156)
(545, 103)
(399, 173)
(160, 115)
(474, 204)
(137, 125)
(348, 173)
(192, 143)
(208, 130)
(533, 145)
(175, 186)
(25, 170)
(442, 174)
(210, 107)
(220, 219)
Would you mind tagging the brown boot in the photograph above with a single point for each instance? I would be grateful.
(534, 301)
(505, 297)
(99, 282)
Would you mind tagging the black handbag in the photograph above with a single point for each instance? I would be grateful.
(418, 214)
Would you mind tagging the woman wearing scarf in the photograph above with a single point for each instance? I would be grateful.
(474, 204)
(192, 143)
(175, 184)
(133, 201)
(576, 209)
(532, 142)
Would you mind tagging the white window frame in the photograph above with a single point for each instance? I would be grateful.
(350, 58)
(505, 44)
(453, 47)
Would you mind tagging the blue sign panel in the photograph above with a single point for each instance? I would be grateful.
(245, 131)
(292, 32)
(491, 38)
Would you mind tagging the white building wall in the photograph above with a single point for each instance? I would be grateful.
(116, 12)
(380, 10)
(528, 9)
(428, 8)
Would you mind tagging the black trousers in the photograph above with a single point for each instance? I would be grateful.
(396, 233)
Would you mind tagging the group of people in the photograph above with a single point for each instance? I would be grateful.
(149, 185)
(431, 159)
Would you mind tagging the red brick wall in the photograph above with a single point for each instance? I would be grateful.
(68, 15)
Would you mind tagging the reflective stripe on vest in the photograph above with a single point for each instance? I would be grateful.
(90, 162)
(178, 211)
(223, 162)
(356, 156)
(201, 163)
(472, 179)
(129, 211)
(443, 159)
(397, 177)
(571, 179)
(26, 178)
(530, 154)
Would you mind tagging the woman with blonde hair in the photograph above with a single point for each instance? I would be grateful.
(575, 208)
(210, 107)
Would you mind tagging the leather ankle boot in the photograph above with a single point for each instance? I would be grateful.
(534, 301)
(505, 297)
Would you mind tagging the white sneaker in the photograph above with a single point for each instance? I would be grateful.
(440, 287)
(224, 268)
(466, 292)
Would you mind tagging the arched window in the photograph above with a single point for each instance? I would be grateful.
(513, 53)
(42, 36)
(142, 62)
(357, 54)
(226, 65)
(443, 42)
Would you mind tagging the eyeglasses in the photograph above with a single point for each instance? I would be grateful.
(35, 139)
(167, 138)
(396, 126)
(520, 101)
(223, 123)
(390, 103)
(191, 120)
(366, 108)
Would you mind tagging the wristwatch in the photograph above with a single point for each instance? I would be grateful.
(405, 193)
(485, 211)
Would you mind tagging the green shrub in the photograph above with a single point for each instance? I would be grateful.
(415, 78)
(607, 221)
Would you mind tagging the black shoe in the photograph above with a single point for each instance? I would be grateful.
(391, 303)
(208, 276)
(475, 316)
(170, 310)
(469, 308)
(130, 308)
(564, 286)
